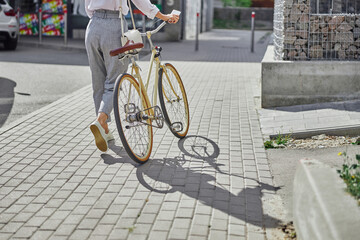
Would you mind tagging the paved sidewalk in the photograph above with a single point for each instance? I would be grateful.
(214, 184)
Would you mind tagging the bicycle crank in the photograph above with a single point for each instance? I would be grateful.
(142, 117)
(158, 116)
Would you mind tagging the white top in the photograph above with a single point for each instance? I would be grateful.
(149, 9)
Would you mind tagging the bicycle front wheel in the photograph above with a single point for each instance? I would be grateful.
(173, 100)
(135, 133)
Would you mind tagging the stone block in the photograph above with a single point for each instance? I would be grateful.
(288, 83)
(322, 209)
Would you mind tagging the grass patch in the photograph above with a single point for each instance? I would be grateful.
(350, 173)
(280, 141)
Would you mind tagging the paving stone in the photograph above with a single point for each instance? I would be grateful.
(126, 223)
(161, 225)
(237, 230)
(102, 230)
(185, 213)
(119, 234)
(25, 232)
(22, 217)
(199, 230)
(50, 225)
(40, 235)
(88, 223)
(158, 235)
(181, 223)
(256, 236)
(178, 233)
(116, 209)
(219, 224)
(146, 218)
(65, 230)
(11, 227)
(137, 236)
(216, 234)
(192, 237)
(80, 234)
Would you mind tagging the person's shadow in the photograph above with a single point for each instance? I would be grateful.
(170, 175)
(120, 152)
(6, 98)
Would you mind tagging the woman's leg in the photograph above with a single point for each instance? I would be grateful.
(114, 67)
(98, 69)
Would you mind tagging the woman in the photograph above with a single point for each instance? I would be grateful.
(103, 34)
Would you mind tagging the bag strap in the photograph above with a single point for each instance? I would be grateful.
(121, 15)
(132, 16)
(121, 19)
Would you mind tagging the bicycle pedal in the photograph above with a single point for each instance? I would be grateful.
(129, 108)
(177, 126)
(158, 117)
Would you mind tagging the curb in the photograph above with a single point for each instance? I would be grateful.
(322, 209)
(350, 130)
(52, 46)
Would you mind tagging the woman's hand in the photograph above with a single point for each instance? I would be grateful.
(170, 18)
(173, 18)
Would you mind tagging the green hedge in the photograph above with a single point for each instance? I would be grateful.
(237, 3)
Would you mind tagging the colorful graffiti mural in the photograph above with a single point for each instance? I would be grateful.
(53, 21)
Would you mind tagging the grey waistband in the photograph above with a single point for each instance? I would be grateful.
(101, 13)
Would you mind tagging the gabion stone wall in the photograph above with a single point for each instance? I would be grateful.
(296, 29)
(334, 37)
(309, 36)
(279, 29)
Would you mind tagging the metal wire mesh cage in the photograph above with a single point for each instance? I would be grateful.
(317, 29)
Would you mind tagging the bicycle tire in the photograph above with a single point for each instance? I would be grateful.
(136, 136)
(171, 87)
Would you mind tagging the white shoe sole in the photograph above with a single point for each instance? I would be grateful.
(100, 141)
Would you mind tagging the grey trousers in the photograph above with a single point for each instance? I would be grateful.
(103, 34)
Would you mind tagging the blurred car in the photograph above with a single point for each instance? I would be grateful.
(9, 25)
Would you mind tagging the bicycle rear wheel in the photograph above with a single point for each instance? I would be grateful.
(173, 100)
(135, 133)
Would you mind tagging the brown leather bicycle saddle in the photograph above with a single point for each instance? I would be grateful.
(130, 45)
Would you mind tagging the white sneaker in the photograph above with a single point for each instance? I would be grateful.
(101, 137)
(110, 136)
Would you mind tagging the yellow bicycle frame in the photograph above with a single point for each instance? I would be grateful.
(135, 71)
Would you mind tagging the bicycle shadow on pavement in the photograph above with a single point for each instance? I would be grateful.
(179, 174)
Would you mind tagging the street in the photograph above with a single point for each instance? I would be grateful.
(31, 78)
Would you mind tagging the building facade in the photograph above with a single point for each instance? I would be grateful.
(53, 17)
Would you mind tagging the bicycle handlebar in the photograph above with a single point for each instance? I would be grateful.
(155, 30)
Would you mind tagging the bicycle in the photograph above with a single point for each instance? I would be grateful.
(135, 115)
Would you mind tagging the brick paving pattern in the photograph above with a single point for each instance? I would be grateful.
(55, 184)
